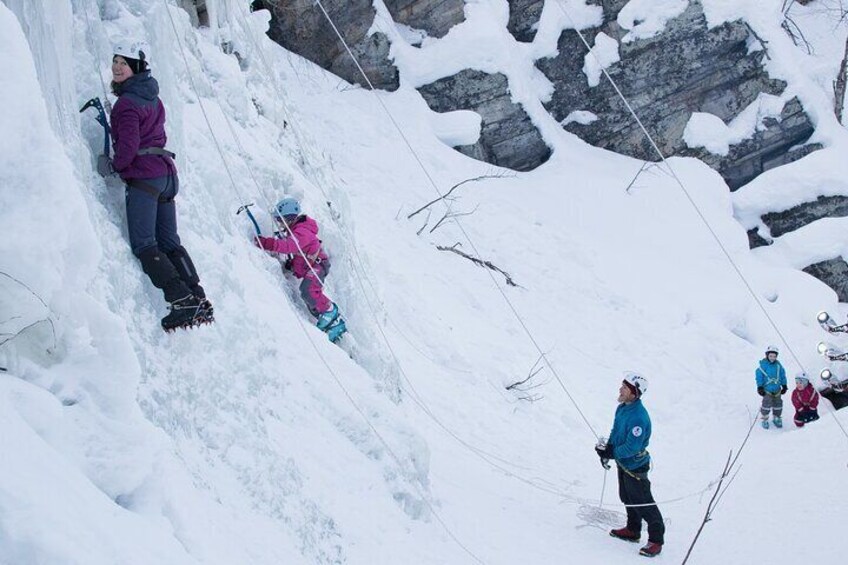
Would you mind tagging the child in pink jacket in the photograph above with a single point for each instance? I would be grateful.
(805, 398)
(309, 262)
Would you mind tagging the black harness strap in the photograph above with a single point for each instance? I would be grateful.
(156, 151)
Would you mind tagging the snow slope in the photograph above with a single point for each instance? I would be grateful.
(256, 441)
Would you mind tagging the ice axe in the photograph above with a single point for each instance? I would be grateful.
(101, 119)
(246, 208)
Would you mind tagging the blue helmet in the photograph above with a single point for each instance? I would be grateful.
(287, 207)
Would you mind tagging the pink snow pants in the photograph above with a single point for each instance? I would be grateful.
(311, 289)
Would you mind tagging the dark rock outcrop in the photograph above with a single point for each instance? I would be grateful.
(834, 273)
(524, 18)
(780, 223)
(687, 68)
(799, 216)
(436, 17)
(779, 143)
(508, 138)
(300, 26)
(756, 240)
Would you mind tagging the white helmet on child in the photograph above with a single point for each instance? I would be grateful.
(802, 378)
(772, 349)
(636, 382)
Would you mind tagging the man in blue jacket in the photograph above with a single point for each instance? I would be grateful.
(627, 445)
(771, 385)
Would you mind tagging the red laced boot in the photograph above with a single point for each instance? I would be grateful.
(651, 550)
(626, 535)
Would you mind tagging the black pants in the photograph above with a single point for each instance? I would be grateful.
(152, 214)
(635, 488)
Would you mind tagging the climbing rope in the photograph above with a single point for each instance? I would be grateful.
(485, 456)
(413, 393)
(459, 224)
(691, 200)
(357, 264)
(323, 360)
(339, 383)
(518, 317)
(91, 46)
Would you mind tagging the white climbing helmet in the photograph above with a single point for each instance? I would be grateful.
(802, 378)
(636, 382)
(130, 49)
(772, 349)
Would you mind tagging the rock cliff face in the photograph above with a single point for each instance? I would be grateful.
(687, 68)
(507, 137)
(780, 223)
(683, 69)
(436, 17)
(781, 142)
(834, 273)
(524, 18)
(300, 27)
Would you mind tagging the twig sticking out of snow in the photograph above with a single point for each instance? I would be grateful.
(47, 319)
(479, 262)
(730, 470)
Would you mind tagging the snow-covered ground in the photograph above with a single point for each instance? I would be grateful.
(257, 441)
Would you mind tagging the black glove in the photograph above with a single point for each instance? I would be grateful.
(104, 166)
(604, 453)
(783, 389)
(761, 391)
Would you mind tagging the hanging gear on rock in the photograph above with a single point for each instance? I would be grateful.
(835, 390)
(298, 238)
(829, 324)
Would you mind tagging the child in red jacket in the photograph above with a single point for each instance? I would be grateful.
(805, 398)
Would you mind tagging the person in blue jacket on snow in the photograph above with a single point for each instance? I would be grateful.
(628, 446)
(771, 385)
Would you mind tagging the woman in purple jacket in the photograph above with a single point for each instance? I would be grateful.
(147, 168)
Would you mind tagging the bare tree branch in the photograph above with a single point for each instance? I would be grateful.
(454, 187)
(639, 172)
(451, 215)
(479, 262)
(795, 33)
(646, 166)
(25, 328)
(8, 276)
(709, 507)
(46, 319)
(729, 466)
(424, 225)
(533, 372)
(525, 388)
(762, 41)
